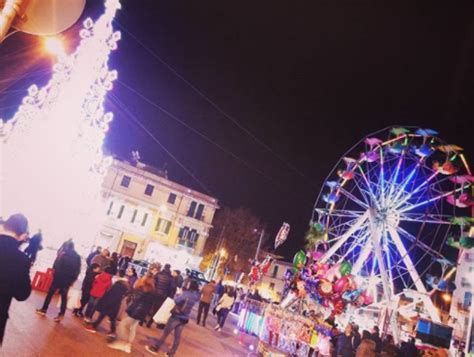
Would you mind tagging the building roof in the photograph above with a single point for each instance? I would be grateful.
(161, 177)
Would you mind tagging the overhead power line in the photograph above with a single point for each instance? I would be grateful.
(217, 107)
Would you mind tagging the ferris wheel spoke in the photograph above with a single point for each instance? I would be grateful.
(415, 191)
(405, 182)
(406, 260)
(426, 218)
(419, 243)
(358, 224)
(433, 199)
(382, 179)
(368, 185)
(353, 198)
(341, 212)
(375, 235)
(393, 182)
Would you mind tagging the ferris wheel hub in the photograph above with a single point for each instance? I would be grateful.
(387, 217)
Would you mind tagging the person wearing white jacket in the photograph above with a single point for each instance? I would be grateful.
(224, 306)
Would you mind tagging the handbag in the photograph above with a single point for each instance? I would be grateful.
(179, 310)
(164, 312)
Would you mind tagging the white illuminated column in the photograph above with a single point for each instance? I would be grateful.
(52, 163)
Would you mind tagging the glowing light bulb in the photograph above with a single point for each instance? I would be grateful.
(54, 45)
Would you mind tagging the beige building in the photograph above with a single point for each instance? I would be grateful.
(150, 217)
(273, 282)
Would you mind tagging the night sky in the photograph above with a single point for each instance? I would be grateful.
(306, 79)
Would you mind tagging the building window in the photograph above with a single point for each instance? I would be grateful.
(275, 271)
(192, 209)
(199, 211)
(110, 207)
(272, 286)
(134, 215)
(125, 181)
(172, 198)
(188, 237)
(467, 299)
(122, 208)
(145, 217)
(163, 226)
(149, 190)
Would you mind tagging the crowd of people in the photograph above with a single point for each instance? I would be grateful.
(352, 343)
(110, 289)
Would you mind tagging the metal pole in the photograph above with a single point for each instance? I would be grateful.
(10, 10)
(259, 244)
(217, 254)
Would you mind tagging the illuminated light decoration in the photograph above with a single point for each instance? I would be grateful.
(391, 220)
(52, 165)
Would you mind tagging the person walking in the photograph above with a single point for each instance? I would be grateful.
(109, 306)
(367, 346)
(163, 289)
(67, 267)
(91, 273)
(178, 320)
(136, 312)
(206, 297)
(34, 246)
(101, 284)
(14, 267)
(223, 307)
(344, 343)
(218, 292)
(114, 263)
(92, 255)
(102, 259)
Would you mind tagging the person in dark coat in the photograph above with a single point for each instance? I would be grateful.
(356, 338)
(91, 273)
(14, 267)
(66, 270)
(163, 289)
(178, 320)
(92, 255)
(389, 349)
(123, 264)
(408, 349)
(114, 264)
(34, 246)
(376, 338)
(109, 306)
(136, 312)
(344, 343)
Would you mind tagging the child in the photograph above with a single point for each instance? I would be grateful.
(101, 284)
(91, 273)
(137, 311)
(109, 306)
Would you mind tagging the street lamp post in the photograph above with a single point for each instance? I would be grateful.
(257, 252)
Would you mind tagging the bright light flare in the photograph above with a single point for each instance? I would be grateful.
(54, 46)
(446, 297)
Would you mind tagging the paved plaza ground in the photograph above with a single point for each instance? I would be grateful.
(30, 335)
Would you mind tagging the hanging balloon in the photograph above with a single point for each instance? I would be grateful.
(299, 259)
(345, 268)
(317, 255)
(368, 299)
(325, 288)
(341, 284)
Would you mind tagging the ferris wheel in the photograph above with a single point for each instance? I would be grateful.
(390, 204)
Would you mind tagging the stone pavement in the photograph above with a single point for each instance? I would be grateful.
(31, 335)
